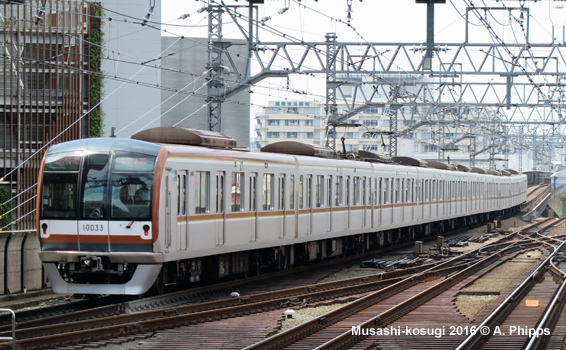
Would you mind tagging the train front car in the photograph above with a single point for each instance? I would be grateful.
(95, 216)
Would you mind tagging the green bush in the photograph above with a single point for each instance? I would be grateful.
(5, 195)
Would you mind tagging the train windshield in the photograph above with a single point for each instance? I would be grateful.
(132, 186)
(121, 193)
(58, 195)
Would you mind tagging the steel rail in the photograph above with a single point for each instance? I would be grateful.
(478, 338)
(550, 317)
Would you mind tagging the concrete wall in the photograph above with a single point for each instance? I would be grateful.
(20, 265)
(131, 107)
(186, 64)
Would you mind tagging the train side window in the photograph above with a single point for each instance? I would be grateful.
(386, 191)
(319, 191)
(253, 184)
(301, 188)
(364, 181)
(376, 191)
(408, 191)
(184, 194)
(178, 195)
(292, 192)
(347, 203)
(379, 189)
(220, 193)
(396, 191)
(356, 190)
(338, 191)
(309, 191)
(237, 192)
(202, 192)
(282, 192)
(329, 191)
(268, 191)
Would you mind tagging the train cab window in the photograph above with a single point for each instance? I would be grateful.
(58, 196)
(319, 191)
(268, 192)
(59, 186)
(202, 192)
(292, 192)
(132, 186)
(94, 185)
(237, 191)
(338, 191)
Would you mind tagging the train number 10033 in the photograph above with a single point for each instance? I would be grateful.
(93, 228)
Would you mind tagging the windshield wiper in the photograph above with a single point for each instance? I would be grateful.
(135, 217)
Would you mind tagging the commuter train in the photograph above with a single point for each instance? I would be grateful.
(121, 216)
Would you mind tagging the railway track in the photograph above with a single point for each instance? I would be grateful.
(143, 324)
(423, 316)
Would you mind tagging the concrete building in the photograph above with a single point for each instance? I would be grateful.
(44, 95)
(305, 122)
(184, 100)
(132, 92)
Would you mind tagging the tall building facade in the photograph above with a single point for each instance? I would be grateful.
(370, 130)
(132, 67)
(184, 101)
(44, 91)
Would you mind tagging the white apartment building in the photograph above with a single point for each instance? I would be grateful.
(303, 121)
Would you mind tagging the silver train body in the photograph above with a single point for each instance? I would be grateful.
(118, 216)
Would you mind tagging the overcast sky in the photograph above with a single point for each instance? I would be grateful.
(398, 21)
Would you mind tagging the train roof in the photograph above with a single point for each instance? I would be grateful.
(101, 144)
(299, 148)
(185, 136)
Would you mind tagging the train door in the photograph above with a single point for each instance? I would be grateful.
(182, 229)
(219, 208)
(252, 206)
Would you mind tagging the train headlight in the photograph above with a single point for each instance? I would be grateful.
(44, 233)
(146, 234)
